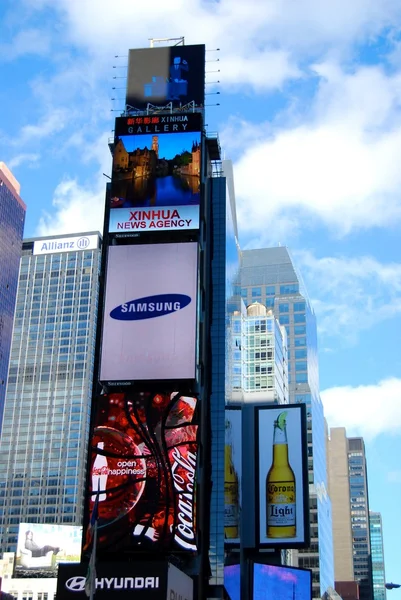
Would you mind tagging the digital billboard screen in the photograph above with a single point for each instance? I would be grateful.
(169, 74)
(155, 183)
(232, 476)
(42, 546)
(150, 316)
(282, 476)
(143, 466)
(232, 582)
(273, 582)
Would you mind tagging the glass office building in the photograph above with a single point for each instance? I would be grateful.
(12, 218)
(269, 276)
(258, 357)
(377, 551)
(359, 498)
(47, 409)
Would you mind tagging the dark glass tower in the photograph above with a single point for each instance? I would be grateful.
(359, 499)
(12, 217)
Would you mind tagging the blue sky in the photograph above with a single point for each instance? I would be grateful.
(310, 113)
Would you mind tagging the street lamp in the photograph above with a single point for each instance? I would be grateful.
(391, 586)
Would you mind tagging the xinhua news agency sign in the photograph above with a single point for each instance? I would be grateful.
(67, 244)
(123, 581)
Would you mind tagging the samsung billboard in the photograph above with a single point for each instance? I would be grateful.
(143, 466)
(155, 184)
(149, 325)
(169, 75)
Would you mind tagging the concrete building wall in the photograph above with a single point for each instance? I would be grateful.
(340, 500)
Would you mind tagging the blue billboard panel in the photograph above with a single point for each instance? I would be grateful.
(274, 582)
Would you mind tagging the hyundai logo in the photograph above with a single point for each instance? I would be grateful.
(150, 306)
(75, 584)
(83, 243)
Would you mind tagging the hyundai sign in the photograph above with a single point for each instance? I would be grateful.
(66, 244)
(123, 581)
(149, 327)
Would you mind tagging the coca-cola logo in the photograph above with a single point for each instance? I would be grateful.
(183, 471)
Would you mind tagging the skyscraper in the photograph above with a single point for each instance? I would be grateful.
(12, 218)
(359, 498)
(47, 409)
(259, 357)
(376, 545)
(269, 276)
(339, 491)
(225, 263)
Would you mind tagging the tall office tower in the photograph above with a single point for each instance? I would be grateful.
(12, 217)
(225, 263)
(47, 409)
(259, 357)
(339, 492)
(377, 550)
(269, 277)
(359, 502)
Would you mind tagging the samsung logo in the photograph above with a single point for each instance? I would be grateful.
(150, 307)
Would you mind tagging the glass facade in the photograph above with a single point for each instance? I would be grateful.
(259, 357)
(272, 271)
(12, 218)
(225, 263)
(377, 550)
(47, 409)
(359, 498)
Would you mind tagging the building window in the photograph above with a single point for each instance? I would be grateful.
(256, 292)
(289, 288)
(300, 318)
(284, 319)
(270, 290)
(299, 306)
(284, 308)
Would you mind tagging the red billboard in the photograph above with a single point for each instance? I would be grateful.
(143, 467)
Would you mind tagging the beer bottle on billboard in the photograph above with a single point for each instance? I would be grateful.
(231, 491)
(280, 486)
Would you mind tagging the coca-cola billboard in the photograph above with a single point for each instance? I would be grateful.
(143, 467)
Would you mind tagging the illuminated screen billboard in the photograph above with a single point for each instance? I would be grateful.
(41, 546)
(232, 476)
(282, 476)
(232, 581)
(273, 582)
(155, 184)
(150, 316)
(143, 465)
(169, 74)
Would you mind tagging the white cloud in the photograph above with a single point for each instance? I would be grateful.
(30, 159)
(28, 41)
(77, 209)
(366, 410)
(336, 166)
(350, 295)
(52, 122)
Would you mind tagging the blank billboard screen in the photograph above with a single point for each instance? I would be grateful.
(272, 582)
(149, 327)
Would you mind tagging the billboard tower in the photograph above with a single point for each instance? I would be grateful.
(149, 412)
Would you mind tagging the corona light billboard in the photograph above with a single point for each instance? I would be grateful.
(155, 184)
(149, 325)
(232, 476)
(143, 467)
(282, 476)
(173, 75)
